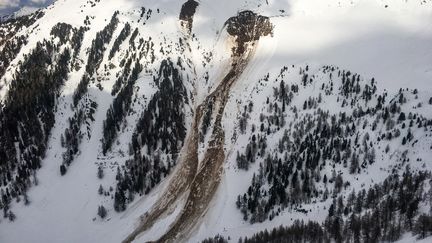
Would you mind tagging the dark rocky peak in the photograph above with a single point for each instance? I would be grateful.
(248, 26)
(187, 13)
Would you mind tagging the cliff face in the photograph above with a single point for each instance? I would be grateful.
(248, 26)
(187, 13)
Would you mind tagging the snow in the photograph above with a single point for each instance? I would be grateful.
(362, 36)
(408, 238)
(26, 10)
(391, 44)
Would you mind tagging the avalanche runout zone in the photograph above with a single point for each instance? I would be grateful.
(202, 183)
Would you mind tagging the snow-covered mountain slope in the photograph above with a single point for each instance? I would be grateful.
(126, 120)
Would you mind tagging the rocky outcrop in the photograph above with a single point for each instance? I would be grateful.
(187, 13)
(248, 26)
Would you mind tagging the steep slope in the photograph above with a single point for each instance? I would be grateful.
(163, 121)
(88, 93)
(293, 44)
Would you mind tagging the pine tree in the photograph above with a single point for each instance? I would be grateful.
(402, 117)
(63, 170)
(11, 216)
(100, 173)
(102, 211)
(354, 164)
(119, 201)
(100, 190)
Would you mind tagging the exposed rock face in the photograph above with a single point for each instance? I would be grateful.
(187, 13)
(248, 26)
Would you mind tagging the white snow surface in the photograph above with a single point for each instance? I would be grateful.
(388, 40)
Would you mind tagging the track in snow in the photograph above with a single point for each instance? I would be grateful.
(202, 183)
(207, 180)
